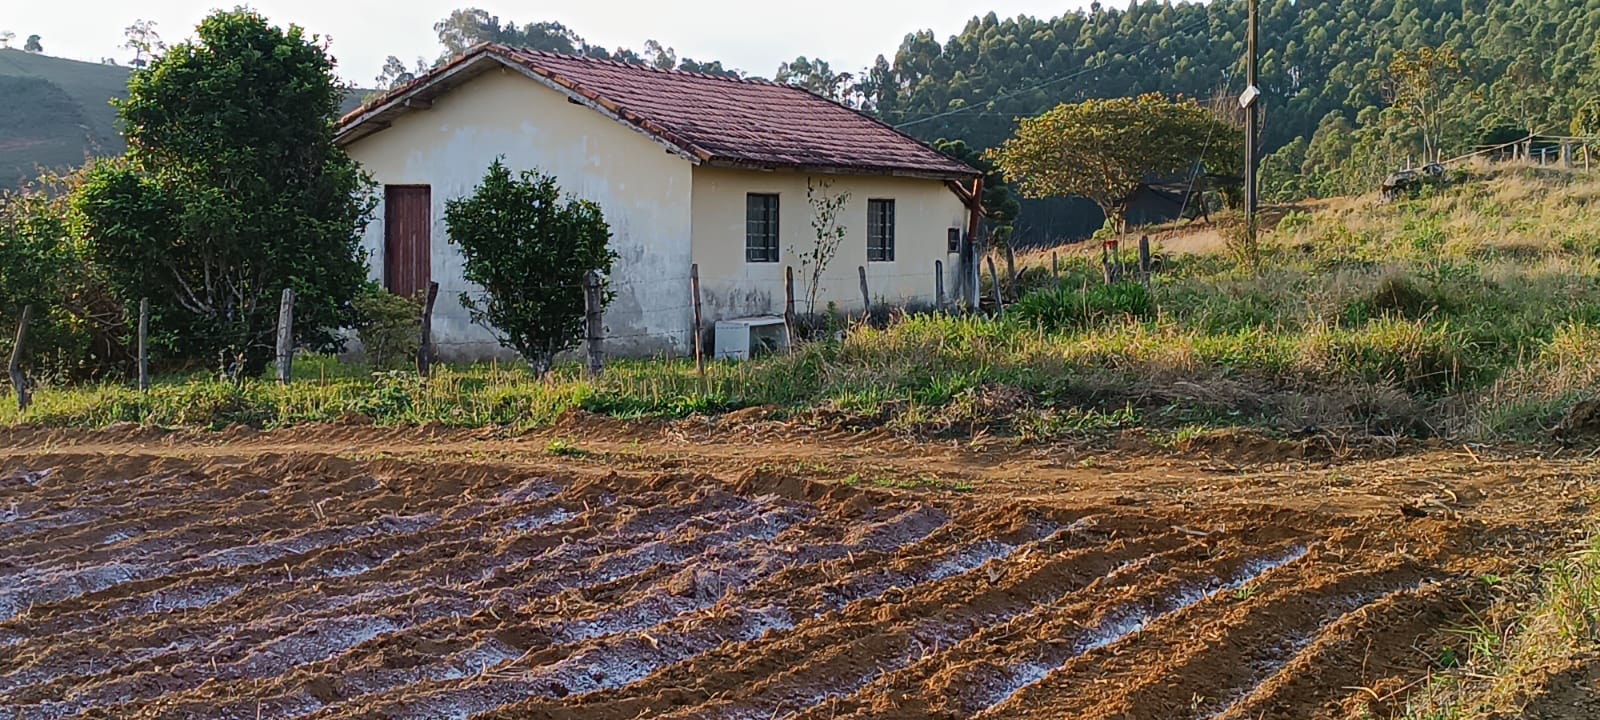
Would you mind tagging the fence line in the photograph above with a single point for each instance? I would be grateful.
(279, 340)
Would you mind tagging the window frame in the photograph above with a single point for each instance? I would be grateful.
(770, 249)
(880, 230)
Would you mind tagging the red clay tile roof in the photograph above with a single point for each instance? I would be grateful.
(715, 120)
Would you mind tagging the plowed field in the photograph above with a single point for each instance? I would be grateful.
(364, 574)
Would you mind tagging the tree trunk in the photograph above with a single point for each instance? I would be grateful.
(540, 363)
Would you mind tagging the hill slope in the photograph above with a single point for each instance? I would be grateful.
(58, 113)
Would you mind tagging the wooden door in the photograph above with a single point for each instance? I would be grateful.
(407, 224)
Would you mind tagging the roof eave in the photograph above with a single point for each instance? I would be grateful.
(822, 169)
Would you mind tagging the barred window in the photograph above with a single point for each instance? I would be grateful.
(761, 228)
(880, 231)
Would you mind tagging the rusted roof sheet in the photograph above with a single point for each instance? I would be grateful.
(712, 120)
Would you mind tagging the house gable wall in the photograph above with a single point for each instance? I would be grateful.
(644, 192)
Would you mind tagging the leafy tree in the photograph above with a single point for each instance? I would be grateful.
(6, 36)
(231, 190)
(467, 27)
(816, 76)
(76, 329)
(1281, 176)
(33, 45)
(144, 41)
(529, 251)
(1424, 85)
(660, 57)
(395, 73)
(1104, 150)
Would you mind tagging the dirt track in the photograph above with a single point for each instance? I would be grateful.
(347, 572)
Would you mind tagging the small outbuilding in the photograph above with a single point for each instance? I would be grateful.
(690, 169)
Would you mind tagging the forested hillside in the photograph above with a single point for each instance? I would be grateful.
(1524, 66)
(1521, 66)
(1516, 66)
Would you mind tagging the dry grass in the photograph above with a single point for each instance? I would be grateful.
(1545, 621)
(1469, 313)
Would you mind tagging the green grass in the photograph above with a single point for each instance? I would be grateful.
(1429, 318)
(1545, 618)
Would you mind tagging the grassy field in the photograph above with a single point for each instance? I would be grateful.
(1548, 623)
(1470, 313)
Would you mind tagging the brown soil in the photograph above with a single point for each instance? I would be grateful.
(741, 569)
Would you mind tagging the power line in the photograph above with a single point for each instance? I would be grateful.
(1079, 73)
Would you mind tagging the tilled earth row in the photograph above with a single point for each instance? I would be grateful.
(309, 586)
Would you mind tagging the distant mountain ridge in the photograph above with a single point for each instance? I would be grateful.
(58, 113)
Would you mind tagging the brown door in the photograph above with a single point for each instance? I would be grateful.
(407, 219)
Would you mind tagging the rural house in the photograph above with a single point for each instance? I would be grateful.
(688, 168)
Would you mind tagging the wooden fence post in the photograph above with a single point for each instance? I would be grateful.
(866, 299)
(1144, 258)
(425, 344)
(1055, 266)
(789, 318)
(1011, 266)
(144, 345)
(699, 352)
(938, 285)
(19, 382)
(593, 325)
(994, 277)
(285, 336)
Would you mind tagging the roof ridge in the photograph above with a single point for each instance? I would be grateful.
(638, 66)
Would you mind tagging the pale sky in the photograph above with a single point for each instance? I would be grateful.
(747, 34)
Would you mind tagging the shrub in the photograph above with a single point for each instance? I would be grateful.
(530, 253)
(1068, 308)
(76, 329)
(389, 326)
(1419, 356)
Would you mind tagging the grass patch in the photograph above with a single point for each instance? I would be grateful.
(1544, 620)
(561, 448)
(1445, 316)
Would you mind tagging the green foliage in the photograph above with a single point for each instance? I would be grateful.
(75, 332)
(1071, 308)
(1105, 149)
(1281, 176)
(1429, 87)
(232, 190)
(389, 327)
(530, 252)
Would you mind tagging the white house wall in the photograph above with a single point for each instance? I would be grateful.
(644, 191)
(925, 211)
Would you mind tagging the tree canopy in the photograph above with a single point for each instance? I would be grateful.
(529, 250)
(1104, 150)
(232, 190)
(1527, 64)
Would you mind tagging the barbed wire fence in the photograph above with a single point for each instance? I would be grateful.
(873, 309)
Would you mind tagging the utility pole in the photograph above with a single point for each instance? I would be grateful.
(1252, 126)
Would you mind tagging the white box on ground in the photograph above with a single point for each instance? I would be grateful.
(737, 338)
